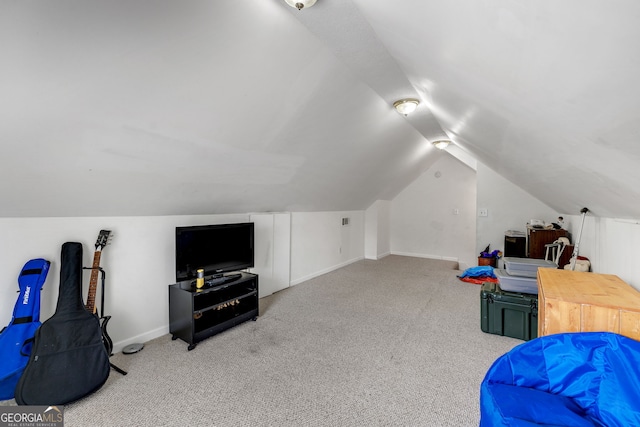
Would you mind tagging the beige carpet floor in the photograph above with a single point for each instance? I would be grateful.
(393, 342)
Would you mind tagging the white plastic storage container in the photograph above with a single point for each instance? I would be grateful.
(526, 285)
(527, 267)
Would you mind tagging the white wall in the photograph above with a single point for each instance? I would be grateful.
(424, 222)
(320, 243)
(377, 239)
(140, 261)
(509, 208)
(371, 231)
(139, 265)
(612, 245)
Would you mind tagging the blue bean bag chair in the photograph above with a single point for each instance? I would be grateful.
(572, 379)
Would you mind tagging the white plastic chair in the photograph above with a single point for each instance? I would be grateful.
(555, 249)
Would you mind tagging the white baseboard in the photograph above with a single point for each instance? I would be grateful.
(378, 256)
(324, 271)
(444, 258)
(158, 332)
(142, 338)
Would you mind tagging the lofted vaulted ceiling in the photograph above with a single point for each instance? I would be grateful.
(159, 107)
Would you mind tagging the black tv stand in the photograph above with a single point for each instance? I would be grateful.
(196, 314)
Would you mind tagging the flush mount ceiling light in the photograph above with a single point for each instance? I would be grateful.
(301, 4)
(442, 144)
(406, 106)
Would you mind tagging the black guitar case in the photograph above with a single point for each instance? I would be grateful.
(68, 360)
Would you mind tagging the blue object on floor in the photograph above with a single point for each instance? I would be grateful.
(571, 379)
(480, 271)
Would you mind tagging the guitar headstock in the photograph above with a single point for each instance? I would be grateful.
(104, 238)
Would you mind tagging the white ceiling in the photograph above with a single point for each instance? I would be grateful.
(159, 107)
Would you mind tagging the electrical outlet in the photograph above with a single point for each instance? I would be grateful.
(456, 211)
(483, 212)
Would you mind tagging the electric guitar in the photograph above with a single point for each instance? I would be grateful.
(103, 240)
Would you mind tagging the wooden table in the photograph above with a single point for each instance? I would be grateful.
(573, 301)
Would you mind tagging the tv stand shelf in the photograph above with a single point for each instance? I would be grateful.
(196, 314)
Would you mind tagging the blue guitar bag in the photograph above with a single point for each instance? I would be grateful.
(16, 339)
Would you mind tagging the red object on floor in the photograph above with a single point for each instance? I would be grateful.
(479, 280)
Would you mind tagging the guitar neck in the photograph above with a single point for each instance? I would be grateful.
(93, 283)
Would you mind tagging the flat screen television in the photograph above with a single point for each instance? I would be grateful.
(216, 249)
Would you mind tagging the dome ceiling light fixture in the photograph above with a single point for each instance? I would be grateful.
(406, 106)
(441, 144)
(301, 4)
